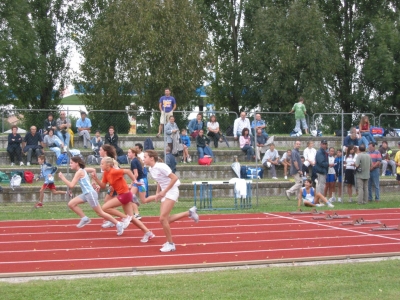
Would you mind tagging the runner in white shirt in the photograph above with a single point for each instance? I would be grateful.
(168, 193)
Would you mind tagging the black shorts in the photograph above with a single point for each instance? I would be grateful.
(349, 177)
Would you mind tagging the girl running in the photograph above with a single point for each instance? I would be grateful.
(88, 195)
(138, 171)
(168, 193)
(115, 178)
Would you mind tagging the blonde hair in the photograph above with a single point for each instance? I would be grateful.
(110, 161)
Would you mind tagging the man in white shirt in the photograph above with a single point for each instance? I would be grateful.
(239, 124)
(271, 159)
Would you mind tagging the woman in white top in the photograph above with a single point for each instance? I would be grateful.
(213, 130)
(350, 163)
(168, 193)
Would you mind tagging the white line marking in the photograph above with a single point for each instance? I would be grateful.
(333, 227)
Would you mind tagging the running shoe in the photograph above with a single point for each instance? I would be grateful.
(107, 224)
(193, 214)
(39, 205)
(84, 221)
(120, 228)
(138, 216)
(126, 221)
(135, 200)
(147, 237)
(167, 247)
(332, 199)
(320, 204)
(330, 205)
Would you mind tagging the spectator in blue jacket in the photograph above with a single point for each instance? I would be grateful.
(195, 125)
(185, 140)
(321, 166)
(352, 139)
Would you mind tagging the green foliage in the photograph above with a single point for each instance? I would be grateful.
(142, 47)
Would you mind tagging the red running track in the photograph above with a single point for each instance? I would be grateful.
(57, 246)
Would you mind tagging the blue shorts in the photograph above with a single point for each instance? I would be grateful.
(339, 178)
(330, 178)
(141, 188)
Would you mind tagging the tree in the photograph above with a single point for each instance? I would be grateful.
(141, 47)
(33, 51)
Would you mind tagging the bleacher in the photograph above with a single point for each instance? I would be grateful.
(219, 170)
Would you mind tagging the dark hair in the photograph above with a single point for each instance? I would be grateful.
(309, 180)
(14, 126)
(362, 148)
(111, 127)
(215, 118)
(152, 153)
(349, 148)
(245, 129)
(50, 129)
(139, 145)
(50, 114)
(79, 161)
(42, 157)
(110, 150)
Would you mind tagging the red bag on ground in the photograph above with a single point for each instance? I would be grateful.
(28, 176)
(205, 161)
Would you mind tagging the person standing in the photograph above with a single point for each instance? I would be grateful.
(84, 125)
(321, 166)
(63, 124)
(240, 123)
(363, 167)
(376, 160)
(296, 167)
(397, 161)
(167, 105)
(14, 146)
(300, 112)
(349, 176)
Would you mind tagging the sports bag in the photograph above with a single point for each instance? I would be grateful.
(15, 181)
(28, 176)
(148, 144)
(62, 159)
(4, 177)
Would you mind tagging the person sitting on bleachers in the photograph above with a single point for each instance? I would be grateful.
(261, 140)
(14, 146)
(271, 159)
(386, 159)
(63, 124)
(32, 143)
(53, 142)
(84, 125)
(97, 142)
(111, 138)
(195, 125)
(239, 124)
(352, 139)
(245, 144)
(170, 159)
(202, 143)
(285, 161)
(49, 123)
(258, 124)
(186, 144)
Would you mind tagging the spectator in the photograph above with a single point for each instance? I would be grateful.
(186, 144)
(296, 167)
(170, 159)
(352, 139)
(14, 146)
(245, 144)
(329, 190)
(338, 170)
(239, 124)
(261, 140)
(97, 142)
(63, 124)
(53, 142)
(364, 129)
(363, 167)
(305, 171)
(309, 154)
(195, 125)
(271, 159)
(349, 177)
(386, 160)
(258, 124)
(321, 166)
(111, 138)
(172, 132)
(285, 161)
(167, 105)
(376, 160)
(202, 143)
(213, 130)
(49, 123)
(397, 161)
(139, 148)
(84, 126)
(32, 143)
(300, 112)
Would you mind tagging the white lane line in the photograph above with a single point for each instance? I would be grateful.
(334, 227)
(197, 254)
(197, 243)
